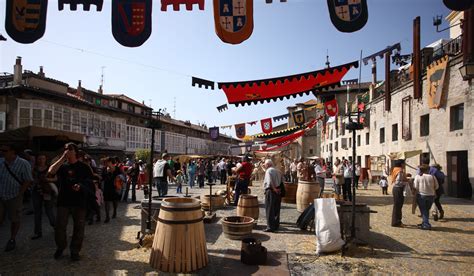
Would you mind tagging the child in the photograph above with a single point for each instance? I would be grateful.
(384, 184)
(179, 181)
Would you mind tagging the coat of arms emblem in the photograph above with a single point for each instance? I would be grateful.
(348, 15)
(233, 20)
(131, 21)
(26, 19)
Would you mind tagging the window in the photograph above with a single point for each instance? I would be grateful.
(367, 138)
(66, 119)
(395, 132)
(456, 117)
(310, 151)
(425, 125)
(48, 119)
(24, 117)
(336, 146)
(350, 142)
(382, 135)
(83, 123)
(58, 115)
(358, 141)
(37, 117)
(2, 121)
(76, 122)
(330, 135)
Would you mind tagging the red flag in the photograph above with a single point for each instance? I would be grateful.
(331, 108)
(266, 125)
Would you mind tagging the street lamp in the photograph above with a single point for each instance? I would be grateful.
(467, 70)
(154, 123)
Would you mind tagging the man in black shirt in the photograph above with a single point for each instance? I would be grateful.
(75, 186)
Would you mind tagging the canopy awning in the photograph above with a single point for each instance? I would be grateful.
(404, 154)
(26, 134)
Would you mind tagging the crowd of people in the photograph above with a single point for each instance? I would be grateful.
(72, 185)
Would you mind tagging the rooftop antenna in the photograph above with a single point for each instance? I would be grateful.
(102, 76)
(174, 108)
(327, 59)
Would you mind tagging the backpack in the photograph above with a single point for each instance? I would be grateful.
(119, 183)
(306, 218)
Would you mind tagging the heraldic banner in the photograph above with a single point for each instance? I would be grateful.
(435, 75)
(298, 117)
(267, 125)
(214, 133)
(331, 107)
(240, 130)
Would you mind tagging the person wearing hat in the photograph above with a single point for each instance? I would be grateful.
(161, 172)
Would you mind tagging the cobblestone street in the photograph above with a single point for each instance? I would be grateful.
(112, 248)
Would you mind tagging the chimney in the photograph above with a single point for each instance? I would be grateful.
(41, 73)
(79, 90)
(100, 90)
(17, 72)
(374, 71)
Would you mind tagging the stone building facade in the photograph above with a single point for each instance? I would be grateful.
(102, 123)
(445, 135)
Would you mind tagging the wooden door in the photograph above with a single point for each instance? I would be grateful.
(458, 177)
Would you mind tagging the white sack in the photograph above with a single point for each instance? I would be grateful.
(328, 229)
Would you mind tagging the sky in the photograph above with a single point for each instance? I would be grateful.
(288, 38)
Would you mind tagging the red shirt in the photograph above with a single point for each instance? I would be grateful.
(245, 171)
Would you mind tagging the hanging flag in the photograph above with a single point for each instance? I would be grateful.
(214, 133)
(189, 4)
(252, 123)
(331, 107)
(266, 125)
(226, 127)
(202, 82)
(271, 1)
(233, 20)
(25, 20)
(458, 5)
(131, 21)
(222, 108)
(280, 117)
(266, 90)
(435, 76)
(348, 15)
(240, 131)
(86, 4)
(298, 117)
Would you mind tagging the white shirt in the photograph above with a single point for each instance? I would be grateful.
(222, 165)
(272, 178)
(293, 167)
(319, 171)
(426, 184)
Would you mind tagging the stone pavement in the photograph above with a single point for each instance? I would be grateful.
(111, 249)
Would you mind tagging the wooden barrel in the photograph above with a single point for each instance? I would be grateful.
(306, 193)
(217, 202)
(248, 206)
(237, 227)
(179, 245)
(290, 190)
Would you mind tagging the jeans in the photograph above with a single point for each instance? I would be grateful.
(223, 176)
(191, 180)
(398, 200)
(38, 203)
(321, 185)
(272, 209)
(346, 189)
(161, 186)
(179, 188)
(79, 220)
(241, 187)
(425, 202)
(201, 180)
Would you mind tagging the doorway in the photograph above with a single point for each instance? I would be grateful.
(458, 177)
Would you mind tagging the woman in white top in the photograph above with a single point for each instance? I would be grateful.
(425, 186)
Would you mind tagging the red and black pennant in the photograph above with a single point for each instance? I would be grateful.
(248, 92)
(131, 21)
(25, 20)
